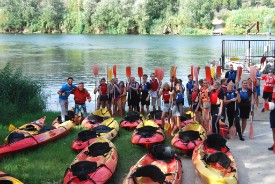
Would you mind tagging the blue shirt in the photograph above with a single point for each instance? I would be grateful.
(189, 86)
(67, 90)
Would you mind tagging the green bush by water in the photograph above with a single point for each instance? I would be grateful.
(19, 94)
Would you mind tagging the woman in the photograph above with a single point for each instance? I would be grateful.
(244, 103)
(176, 98)
(103, 93)
(116, 91)
(216, 100)
(133, 97)
(165, 93)
(230, 98)
(205, 104)
(195, 102)
(123, 97)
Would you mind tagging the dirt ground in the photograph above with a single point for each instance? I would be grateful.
(255, 163)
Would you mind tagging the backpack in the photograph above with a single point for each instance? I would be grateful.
(179, 98)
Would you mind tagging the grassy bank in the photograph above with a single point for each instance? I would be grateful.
(47, 164)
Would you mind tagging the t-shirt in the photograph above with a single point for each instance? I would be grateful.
(245, 97)
(80, 96)
(269, 83)
(189, 86)
(230, 95)
(67, 90)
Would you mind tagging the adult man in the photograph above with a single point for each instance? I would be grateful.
(231, 74)
(64, 93)
(189, 87)
(154, 92)
(80, 96)
(144, 88)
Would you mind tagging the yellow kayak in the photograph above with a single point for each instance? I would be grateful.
(5, 178)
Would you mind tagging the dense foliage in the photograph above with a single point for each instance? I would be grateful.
(116, 16)
(19, 94)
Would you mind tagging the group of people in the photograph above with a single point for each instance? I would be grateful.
(211, 101)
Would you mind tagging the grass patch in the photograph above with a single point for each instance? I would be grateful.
(48, 163)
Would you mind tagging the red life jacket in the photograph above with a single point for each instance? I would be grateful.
(154, 85)
(214, 99)
(166, 96)
(103, 89)
(195, 96)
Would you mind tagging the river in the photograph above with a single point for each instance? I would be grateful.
(52, 58)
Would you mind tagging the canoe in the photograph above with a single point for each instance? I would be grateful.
(7, 179)
(214, 162)
(147, 133)
(94, 164)
(160, 166)
(28, 129)
(190, 136)
(95, 118)
(107, 129)
(45, 135)
(131, 121)
(155, 116)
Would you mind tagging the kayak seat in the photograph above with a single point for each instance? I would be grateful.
(155, 115)
(163, 152)
(82, 169)
(218, 157)
(150, 171)
(102, 129)
(189, 135)
(216, 141)
(95, 119)
(15, 136)
(133, 113)
(147, 131)
(86, 135)
(45, 129)
(6, 182)
(67, 117)
(132, 118)
(30, 128)
(99, 148)
(185, 117)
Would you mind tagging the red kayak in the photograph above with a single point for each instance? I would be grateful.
(45, 135)
(147, 134)
(93, 165)
(107, 129)
(160, 166)
(131, 121)
(190, 136)
(96, 118)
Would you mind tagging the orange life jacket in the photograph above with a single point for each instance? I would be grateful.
(204, 94)
(214, 99)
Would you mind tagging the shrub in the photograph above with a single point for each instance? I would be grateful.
(19, 94)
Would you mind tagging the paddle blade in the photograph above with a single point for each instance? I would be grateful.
(251, 131)
(263, 59)
(195, 74)
(12, 127)
(140, 72)
(161, 74)
(199, 69)
(109, 74)
(114, 70)
(219, 71)
(253, 73)
(95, 70)
(128, 71)
(173, 71)
(232, 132)
(274, 148)
(208, 74)
(239, 73)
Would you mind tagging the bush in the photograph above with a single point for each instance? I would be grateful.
(19, 94)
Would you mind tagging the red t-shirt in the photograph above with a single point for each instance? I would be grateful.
(269, 83)
(80, 96)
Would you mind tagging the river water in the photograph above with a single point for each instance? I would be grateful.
(52, 58)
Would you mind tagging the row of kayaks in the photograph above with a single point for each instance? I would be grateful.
(97, 158)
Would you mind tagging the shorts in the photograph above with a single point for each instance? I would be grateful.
(176, 110)
(189, 98)
(245, 111)
(258, 91)
(143, 99)
(134, 101)
(205, 105)
(103, 98)
(80, 108)
(156, 101)
(267, 95)
(166, 107)
(272, 119)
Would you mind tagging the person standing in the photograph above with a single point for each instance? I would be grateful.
(195, 102)
(154, 92)
(268, 87)
(189, 87)
(144, 89)
(272, 122)
(133, 97)
(165, 93)
(116, 94)
(216, 100)
(81, 94)
(231, 74)
(258, 86)
(64, 93)
(123, 97)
